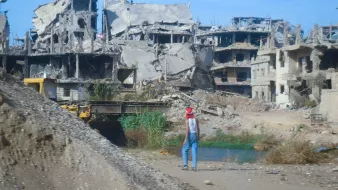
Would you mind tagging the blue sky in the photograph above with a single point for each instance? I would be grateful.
(219, 12)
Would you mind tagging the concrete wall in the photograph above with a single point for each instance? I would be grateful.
(328, 106)
(262, 93)
(282, 98)
(77, 92)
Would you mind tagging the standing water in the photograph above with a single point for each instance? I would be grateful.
(219, 154)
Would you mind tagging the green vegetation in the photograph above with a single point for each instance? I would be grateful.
(102, 91)
(145, 130)
(310, 103)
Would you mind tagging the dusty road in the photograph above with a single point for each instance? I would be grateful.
(232, 176)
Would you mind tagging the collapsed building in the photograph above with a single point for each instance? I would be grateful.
(235, 48)
(158, 40)
(303, 70)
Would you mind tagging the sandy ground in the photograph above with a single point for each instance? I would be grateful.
(232, 176)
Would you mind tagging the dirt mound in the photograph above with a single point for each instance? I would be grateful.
(45, 147)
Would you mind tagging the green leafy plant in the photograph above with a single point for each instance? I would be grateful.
(99, 91)
(153, 123)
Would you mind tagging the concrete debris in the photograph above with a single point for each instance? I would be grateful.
(208, 182)
(65, 149)
(123, 15)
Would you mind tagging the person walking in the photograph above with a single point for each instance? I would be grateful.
(192, 135)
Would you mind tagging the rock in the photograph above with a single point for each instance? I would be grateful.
(230, 108)
(283, 178)
(219, 112)
(325, 132)
(261, 146)
(335, 169)
(208, 182)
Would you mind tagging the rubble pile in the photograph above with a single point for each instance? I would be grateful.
(45, 147)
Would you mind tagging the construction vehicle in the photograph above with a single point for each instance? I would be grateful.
(86, 109)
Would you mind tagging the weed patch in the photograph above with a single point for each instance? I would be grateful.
(147, 128)
(293, 152)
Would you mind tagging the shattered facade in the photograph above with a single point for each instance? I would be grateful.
(235, 48)
(158, 40)
(301, 70)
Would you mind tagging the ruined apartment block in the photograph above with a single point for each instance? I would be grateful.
(235, 47)
(157, 40)
(263, 68)
(63, 46)
(300, 70)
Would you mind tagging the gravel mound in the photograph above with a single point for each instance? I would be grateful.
(43, 146)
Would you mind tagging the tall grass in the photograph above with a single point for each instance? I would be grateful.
(151, 125)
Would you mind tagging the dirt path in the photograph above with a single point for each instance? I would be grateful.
(232, 176)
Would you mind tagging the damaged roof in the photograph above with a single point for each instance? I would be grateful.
(45, 14)
(122, 15)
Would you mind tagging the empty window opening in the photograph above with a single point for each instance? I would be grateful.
(329, 60)
(301, 61)
(327, 84)
(80, 5)
(263, 96)
(273, 62)
(66, 92)
(239, 57)
(222, 75)
(241, 76)
(81, 23)
(163, 39)
(256, 94)
(241, 37)
(262, 72)
(66, 38)
(55, 38)
(281, 59)
(79, 35)
(282, 89)
(309, 64)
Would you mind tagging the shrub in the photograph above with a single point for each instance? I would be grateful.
(293, 152)
(153, 123)
(136, 138)
(310, 103)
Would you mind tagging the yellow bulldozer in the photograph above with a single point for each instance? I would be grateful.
(48, 87)
(86, 109)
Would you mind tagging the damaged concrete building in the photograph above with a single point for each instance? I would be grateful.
(235, 47)
(263, 68)
(158, 40)
(63, 46)
(301, 70)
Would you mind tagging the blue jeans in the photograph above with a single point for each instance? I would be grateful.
(192, 143)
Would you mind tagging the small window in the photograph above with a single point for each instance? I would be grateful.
(241, 76)
(262, 71)
(263, 96)
(239, 57)
(256, 94)
(66, 92)
(282, 89)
